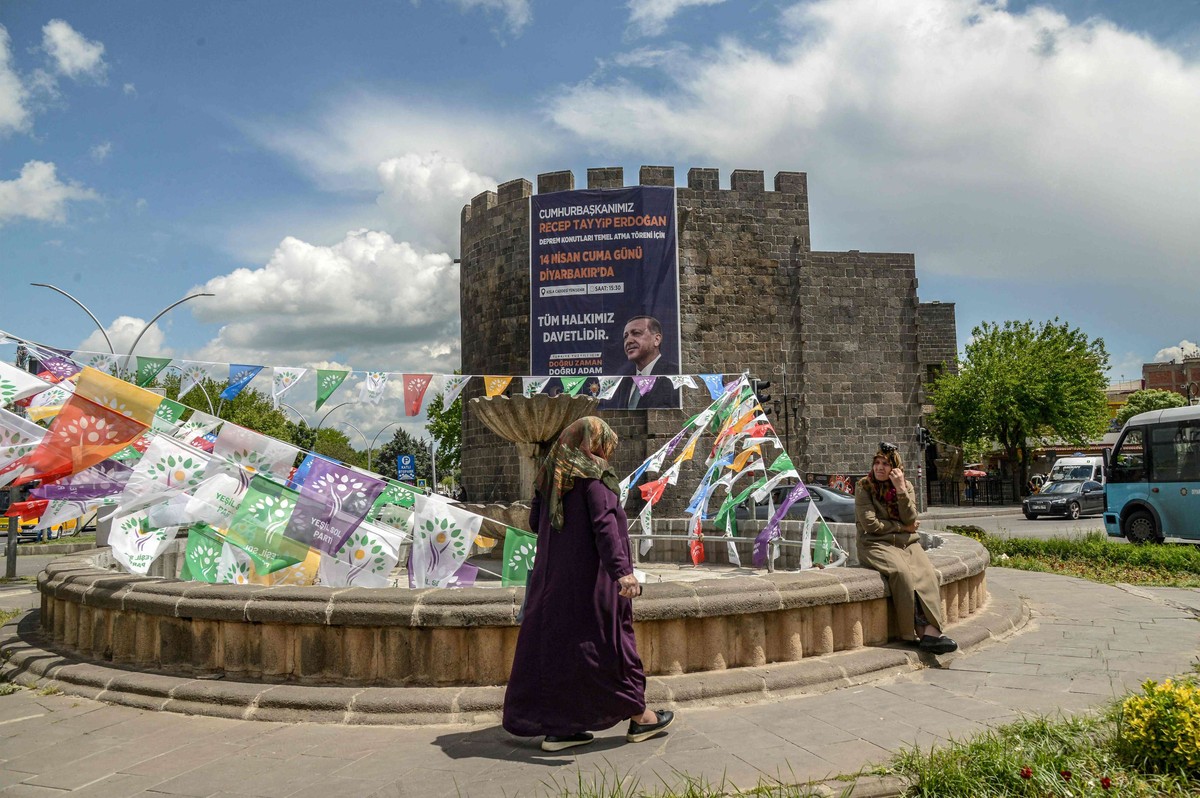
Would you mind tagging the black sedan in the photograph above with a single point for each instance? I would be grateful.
(1069, 498)
(835, 507)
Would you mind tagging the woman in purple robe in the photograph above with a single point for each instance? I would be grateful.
(576, 667)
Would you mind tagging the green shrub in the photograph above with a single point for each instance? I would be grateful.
(1160, 728)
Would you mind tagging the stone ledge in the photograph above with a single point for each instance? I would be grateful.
(27, 662)
(81, 578)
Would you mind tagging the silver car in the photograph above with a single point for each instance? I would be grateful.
(835, 507)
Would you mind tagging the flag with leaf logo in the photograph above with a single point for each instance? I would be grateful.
(452, 386)
(714, 384)
(771, 529)
(682, 381)
(415, 386)
(258, 526)
(332, 503)
(328, 381)
(495, 385)
(283, 378)
(16, 384)
(240, 375)
(372, 387)
(136, 544)
(101, 361)
(106, 478)
(608, 387)
(520, 548)
(367, 559)
(58, 363)
(193, 373)
(202, 557)
(50, 402)
(571, 385)
(196, 427)
(18, 437)
(148, 368)
(103, 416)
(532, 386)
(442, 537)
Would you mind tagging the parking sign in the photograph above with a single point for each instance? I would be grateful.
(406, 467)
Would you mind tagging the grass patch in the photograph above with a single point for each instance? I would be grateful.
(8, 688)
(8, 615)
(613, 784)
(1093, 556)
(89, 538)
(1080, 756)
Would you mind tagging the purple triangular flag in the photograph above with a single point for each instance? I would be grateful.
(644, 383)
(798, 492)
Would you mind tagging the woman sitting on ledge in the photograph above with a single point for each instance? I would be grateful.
(885, 507)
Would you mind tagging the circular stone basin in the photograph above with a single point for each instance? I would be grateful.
(687, 621)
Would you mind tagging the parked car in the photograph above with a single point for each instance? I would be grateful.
(835, 507)
(1069, 498)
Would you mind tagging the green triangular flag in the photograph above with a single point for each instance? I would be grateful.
(258, 526)
(328, 381)
(824, 545)
(203, 554)
(165, 417)
(148, 368)
(782, 463)
(519, 550)
(571, 385)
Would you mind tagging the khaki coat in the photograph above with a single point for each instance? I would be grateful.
(898, 556)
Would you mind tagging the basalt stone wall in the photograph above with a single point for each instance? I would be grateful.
(838, 334)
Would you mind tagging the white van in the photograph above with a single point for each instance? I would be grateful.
(1078, 467)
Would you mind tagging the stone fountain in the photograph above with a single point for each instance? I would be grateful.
(533, 423)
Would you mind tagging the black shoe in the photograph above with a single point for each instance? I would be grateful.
(644, 731)
(552, 743)
(937, 645)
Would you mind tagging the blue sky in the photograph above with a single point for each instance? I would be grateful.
(306, 161)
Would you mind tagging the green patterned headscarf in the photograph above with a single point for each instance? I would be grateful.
(582, 450)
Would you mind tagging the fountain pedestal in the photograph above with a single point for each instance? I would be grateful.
(533, 423)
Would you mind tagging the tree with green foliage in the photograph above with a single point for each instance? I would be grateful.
(445, 427)
(1147, 400)
(251, 408)
(1020, 383)
(402, 442)
(335, 444)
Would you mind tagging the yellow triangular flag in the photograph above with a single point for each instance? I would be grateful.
(740, 461)
(496, 385)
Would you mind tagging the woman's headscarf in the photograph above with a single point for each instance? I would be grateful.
(885, 491)
(582, 450)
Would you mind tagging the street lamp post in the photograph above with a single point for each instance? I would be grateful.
(356, 429)
(150, 324)
(371, 448)
(321, 423)
(84, 307)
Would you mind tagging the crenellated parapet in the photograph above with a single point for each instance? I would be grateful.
(836, 331)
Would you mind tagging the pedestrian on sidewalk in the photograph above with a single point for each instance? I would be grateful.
(576, 668)
(885, 507)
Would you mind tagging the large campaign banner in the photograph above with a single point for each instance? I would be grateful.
(604, 289)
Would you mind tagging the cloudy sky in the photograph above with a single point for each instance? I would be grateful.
(306, 161)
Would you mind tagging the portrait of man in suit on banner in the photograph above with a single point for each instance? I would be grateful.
(641, 342)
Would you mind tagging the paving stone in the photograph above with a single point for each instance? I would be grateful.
(849, 757)
(184, 759)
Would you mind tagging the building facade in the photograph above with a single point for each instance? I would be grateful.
(841, 335)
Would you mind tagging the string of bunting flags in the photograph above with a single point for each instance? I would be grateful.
(259, 510)
(143, 371)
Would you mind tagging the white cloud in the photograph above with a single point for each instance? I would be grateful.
(1177, 353)
(14, 115)
(516, 13)
(74, 56)
(123, 331)
(650, 17)
(129, 90)
(101, 151)
(38, 194)
(424, 194)
(990, 143)
(376, 301)
(140, 205)
(343, 148)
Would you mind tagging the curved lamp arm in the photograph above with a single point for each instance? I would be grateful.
(84, 307)
(321, 423)
(150, 323)
(371, 448)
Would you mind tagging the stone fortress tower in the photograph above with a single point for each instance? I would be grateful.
(842, 334)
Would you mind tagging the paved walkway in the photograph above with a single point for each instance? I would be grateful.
(1084, 644)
